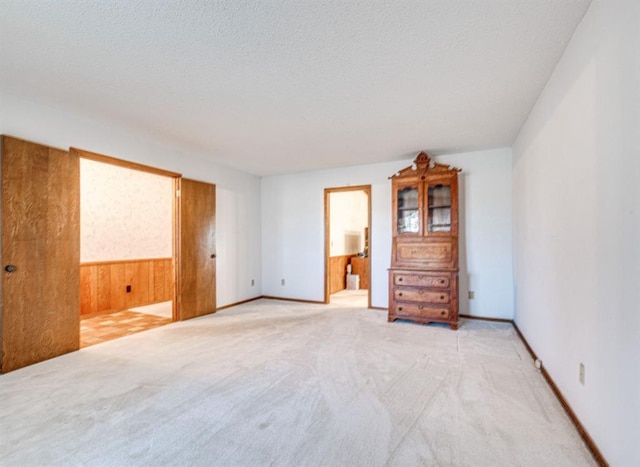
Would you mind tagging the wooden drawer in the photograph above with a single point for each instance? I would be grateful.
(415, 310)
(440, 253)
(422, 280)
(435, 252)
(422, 295)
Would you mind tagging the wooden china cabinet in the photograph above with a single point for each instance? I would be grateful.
(423, 278)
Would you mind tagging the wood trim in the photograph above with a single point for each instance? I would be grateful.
(483, 318)
(177, 254)
(122, 163)
(327, 246)
(299, 300)
(574, 418)
(379, 308)
(533, 355)
(348, 188)
(327, 239)
(241, 302)
(599, 458)
(122, 261)
(370, 233)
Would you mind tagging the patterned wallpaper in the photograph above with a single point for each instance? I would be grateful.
(124, 213)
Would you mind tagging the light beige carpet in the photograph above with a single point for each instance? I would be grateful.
(285, 384)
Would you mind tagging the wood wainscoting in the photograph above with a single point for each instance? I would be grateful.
(360, 266)
(103, 285)
(338, 273)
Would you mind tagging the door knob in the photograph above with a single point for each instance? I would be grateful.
(213, 256)
(10, 268)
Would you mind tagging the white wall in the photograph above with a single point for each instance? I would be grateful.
(124, 213)
(293, 230)
(238, 194)
(577, 226)
(349, 214)
(486, 260)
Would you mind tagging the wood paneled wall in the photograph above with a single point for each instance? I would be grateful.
(360, 266)
(103, 285)
(338, 273)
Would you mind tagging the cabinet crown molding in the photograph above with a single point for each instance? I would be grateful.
(423, 165)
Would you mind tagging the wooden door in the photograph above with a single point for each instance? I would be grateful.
(40, 253)
(197, 249)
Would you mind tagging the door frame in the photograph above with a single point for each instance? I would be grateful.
(175, 226)
(327, 234)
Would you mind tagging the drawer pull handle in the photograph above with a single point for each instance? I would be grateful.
(441, 297)
(399, 308)
(442, 281)
(399, 279)
(400, 294)
(443, 312)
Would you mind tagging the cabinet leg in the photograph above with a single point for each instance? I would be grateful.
(454, 326)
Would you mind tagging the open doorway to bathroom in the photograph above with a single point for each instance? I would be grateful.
(127, 248)
(348, 246)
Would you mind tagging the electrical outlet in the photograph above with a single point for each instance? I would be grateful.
(472, 294)
(581, 373)
(253, 282)
(282, 282)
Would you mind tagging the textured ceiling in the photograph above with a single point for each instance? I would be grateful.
(279, 86)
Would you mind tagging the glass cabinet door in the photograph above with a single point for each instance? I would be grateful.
(408, 209)
(439, 208)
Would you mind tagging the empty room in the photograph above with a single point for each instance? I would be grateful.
(382, 233)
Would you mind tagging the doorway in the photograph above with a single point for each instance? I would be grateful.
(127, 248)
(348, 246)
(40, 292)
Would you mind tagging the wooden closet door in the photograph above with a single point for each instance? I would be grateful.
(197, 249)
(40, 253)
